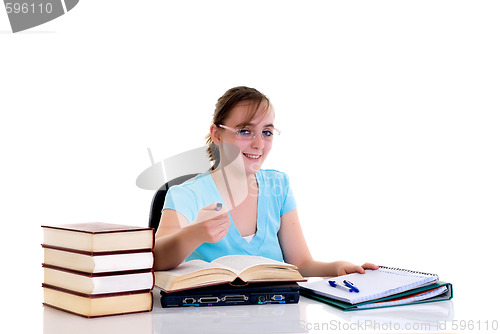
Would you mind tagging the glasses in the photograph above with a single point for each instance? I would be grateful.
(247, 134)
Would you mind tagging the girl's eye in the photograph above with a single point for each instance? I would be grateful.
(244, 133)
(267, 133)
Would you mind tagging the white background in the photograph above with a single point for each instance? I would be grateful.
(389, 112)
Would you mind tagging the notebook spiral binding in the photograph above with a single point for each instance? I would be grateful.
(407, 271)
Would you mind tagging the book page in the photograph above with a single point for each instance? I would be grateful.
(191, 267)
(240, 263)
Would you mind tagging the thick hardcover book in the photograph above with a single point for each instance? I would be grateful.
(239, 269)
(98, 237)
(91, 306)
(94, 262)
(98, 283)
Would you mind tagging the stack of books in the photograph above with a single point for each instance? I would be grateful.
(98, 269)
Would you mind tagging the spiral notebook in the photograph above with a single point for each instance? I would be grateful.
(405, 286)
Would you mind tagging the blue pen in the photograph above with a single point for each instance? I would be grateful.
(336, 285)
(351, 286)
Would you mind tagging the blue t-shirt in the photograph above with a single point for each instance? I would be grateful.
(275, 199)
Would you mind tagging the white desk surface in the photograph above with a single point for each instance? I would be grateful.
(308, 316)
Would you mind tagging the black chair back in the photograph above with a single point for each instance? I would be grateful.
(159, 199)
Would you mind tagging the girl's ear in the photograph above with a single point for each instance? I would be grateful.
(215, 134)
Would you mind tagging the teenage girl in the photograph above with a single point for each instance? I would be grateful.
(258, 215)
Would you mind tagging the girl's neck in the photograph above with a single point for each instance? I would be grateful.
(234, 185)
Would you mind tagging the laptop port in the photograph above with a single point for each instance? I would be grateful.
(209, 300)
(278, 298)
(234, 298)
(189, 301)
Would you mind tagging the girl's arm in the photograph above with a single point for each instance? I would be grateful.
(176, 239)
(295, 251)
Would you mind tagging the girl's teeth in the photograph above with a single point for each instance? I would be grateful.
(252, 156)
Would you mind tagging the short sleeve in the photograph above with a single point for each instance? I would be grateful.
(289, 200)
(182, 200)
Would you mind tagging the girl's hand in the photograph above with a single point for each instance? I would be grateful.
(348, 268)
(210, 225)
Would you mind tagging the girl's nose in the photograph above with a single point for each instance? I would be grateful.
(257, 141)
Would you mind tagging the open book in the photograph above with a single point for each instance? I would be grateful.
(226, 269)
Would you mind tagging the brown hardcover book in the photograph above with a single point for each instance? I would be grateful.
(98, 237)
(95, 262)
(226, 269)
(91, 306)
(98, 283)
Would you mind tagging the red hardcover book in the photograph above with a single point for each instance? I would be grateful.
(91, 306)
(98, 237)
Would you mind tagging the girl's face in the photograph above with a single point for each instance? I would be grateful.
(253, 150)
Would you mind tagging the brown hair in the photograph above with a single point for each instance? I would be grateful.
(223, 109)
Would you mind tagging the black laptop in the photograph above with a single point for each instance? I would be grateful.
(225, 294)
